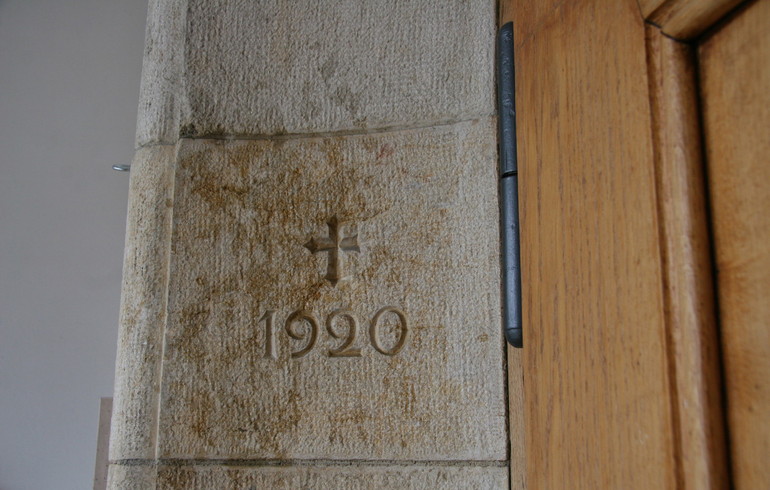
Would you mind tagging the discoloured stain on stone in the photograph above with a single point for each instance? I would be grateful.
(424, 207)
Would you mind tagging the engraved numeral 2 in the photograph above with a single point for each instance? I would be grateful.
(345, 350)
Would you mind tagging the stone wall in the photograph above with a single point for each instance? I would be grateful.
(311, 283)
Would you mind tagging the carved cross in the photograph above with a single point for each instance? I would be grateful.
(333, 244)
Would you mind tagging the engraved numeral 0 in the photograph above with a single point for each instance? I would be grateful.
(308, 317)
(373, 331)
(344, 350)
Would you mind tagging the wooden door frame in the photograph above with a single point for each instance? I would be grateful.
(689, 344)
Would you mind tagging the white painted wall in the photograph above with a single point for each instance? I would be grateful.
(69, 84)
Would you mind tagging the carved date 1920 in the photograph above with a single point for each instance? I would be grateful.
(346, 349)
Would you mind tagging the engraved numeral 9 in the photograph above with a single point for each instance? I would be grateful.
(313, 334)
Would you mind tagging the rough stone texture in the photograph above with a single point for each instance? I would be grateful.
(266, 67)
(336, 477)
(221, 231)
(319, 476)
(161, 93)
(143, 305)
(424, 205)
(133, 477)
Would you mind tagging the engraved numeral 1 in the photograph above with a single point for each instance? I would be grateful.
(269, 318)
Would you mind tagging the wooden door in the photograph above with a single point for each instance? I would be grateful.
(596, 386)
(621, 358)
(735, 82)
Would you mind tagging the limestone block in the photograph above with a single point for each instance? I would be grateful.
(143, 304)
(161, 93)
(316, 476)
(132, 477)
(337, 477)
(404, 229)
(312, 66)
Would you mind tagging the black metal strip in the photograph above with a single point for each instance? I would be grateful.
(509, 196)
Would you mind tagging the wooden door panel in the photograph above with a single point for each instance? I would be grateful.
(735, 81)
(688, 286)
(685, 19)
(598, 407)
(621, 358)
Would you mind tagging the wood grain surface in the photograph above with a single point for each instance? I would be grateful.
(516, 424)
(735, 78)
(597, 387)
(685, 19)
(693, 341)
